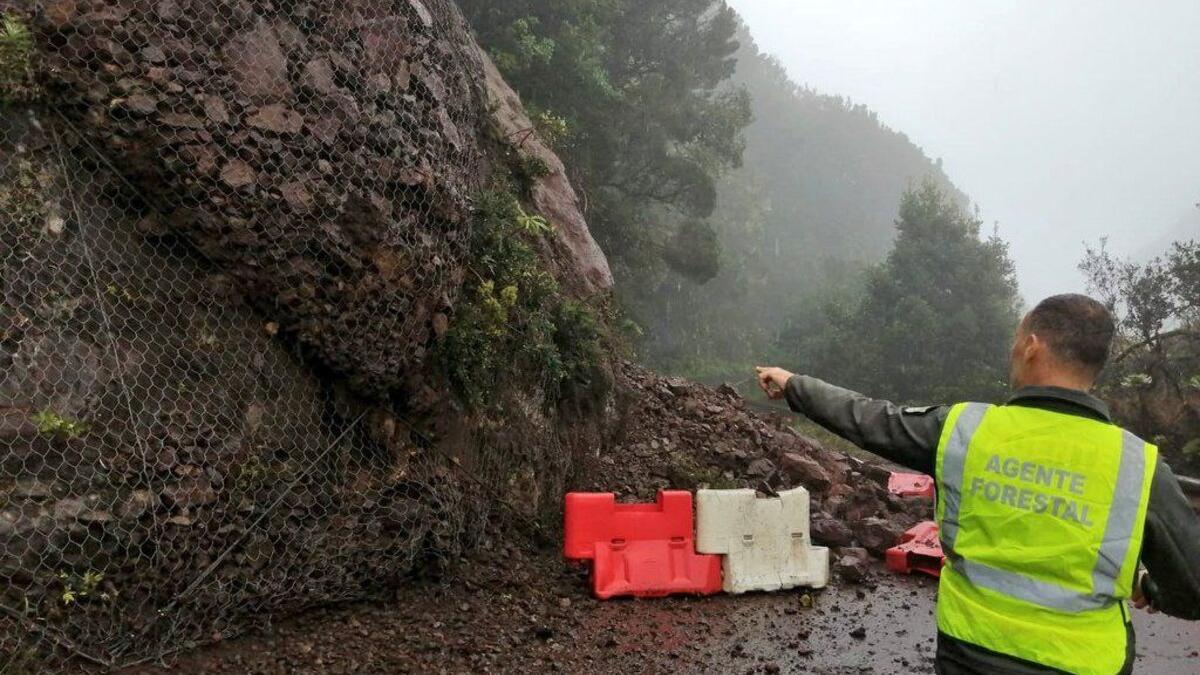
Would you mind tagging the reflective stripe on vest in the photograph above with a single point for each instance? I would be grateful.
(1118, 531)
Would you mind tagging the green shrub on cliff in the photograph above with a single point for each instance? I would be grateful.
(512, 323)
(16, 61)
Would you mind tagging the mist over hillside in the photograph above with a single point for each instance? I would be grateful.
(814, 202)
(837, 170)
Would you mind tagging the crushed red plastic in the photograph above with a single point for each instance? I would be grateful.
(643, 550)
(919, 550)
(910, 485)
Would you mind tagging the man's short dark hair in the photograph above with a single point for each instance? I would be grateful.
(1078, 329)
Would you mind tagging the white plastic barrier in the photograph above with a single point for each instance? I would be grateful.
(765, 542)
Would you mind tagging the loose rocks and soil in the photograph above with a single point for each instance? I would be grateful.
(682, 435)
(232, 233)
(516, 606)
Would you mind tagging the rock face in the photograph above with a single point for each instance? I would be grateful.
(219, 278)
(578, 260)
(154, 431)
(323, 155)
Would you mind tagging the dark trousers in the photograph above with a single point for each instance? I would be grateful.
(955, 657)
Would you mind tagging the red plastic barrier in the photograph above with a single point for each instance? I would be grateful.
(918, 550)
(910, 485)
(644, 550)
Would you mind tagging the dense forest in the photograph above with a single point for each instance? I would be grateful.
(812, 207)
(741, 212)
(750, 219)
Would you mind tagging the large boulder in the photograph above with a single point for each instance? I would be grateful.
(229, 180)
(323, 155)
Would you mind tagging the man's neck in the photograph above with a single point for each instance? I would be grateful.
(1060, 381)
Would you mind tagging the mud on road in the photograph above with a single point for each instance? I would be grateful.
(512, 610)
(519, 607)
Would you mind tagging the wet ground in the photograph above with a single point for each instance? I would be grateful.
(519, 612)
(516, 607)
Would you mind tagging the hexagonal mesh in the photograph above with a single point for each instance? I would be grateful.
(223, 225)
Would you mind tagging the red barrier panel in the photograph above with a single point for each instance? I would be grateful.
(918, 550)
(910, 485)
(644, 550)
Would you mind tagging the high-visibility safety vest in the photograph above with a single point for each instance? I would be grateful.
(1041, 517)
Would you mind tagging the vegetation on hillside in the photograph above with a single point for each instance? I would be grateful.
(935, 322)
(634, 94)
(1153, 381)
(750, 219)
(16, 61)
(514, 325)
(731, 201)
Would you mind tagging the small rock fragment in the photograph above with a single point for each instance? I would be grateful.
(277, 118)
(55, 224)
(138, 504)
(258, 65)
(237, 174)
(215, 110)
(153, 54)
(168, 11)
(677, 386)
(95, 517)
(182, 120)
(761, 468)
(877, 534)
(190, 493)
(140, 104)
(8, 526)
(61, 12)
(853, 565)
(806, 471)
(830, 531)
(318, 77)
(31, 489)
(422, 13)
(297, 197)
(68, 509)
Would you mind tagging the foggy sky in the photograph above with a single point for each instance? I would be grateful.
(1063, 120)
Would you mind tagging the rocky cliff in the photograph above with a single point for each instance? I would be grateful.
(232, 234)
(323, 155)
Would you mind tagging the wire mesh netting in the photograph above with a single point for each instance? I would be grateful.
(223, 225)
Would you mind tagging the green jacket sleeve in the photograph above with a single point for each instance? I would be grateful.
(906, 436)
(1171, 548)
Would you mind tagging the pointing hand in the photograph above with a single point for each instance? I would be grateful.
(773, 381)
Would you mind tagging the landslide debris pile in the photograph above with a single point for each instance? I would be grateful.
(679, 434)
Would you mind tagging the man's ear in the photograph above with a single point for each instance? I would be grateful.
(1033, 348)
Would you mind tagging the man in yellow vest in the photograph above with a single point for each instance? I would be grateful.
(1047, 510)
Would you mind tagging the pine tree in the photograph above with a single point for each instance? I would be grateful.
(938, 316)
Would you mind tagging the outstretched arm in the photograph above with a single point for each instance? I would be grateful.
(904, 435)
